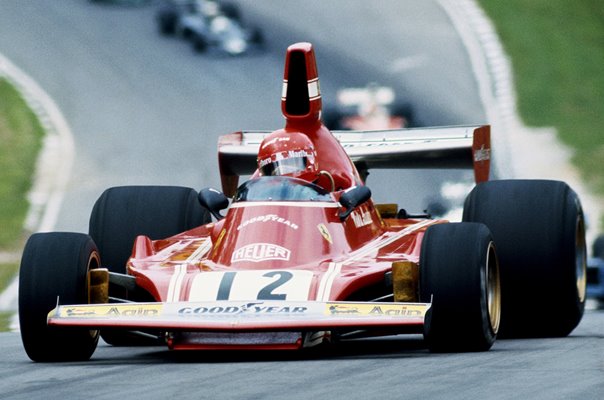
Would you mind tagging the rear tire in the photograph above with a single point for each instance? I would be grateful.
(540, 234)
(459, 275)
(54, 269)
(123, 213)
(200, 44)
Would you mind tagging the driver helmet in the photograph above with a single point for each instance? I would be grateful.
(288, 154)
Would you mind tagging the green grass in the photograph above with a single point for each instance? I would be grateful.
(20, 140)
(557, 52)
(5, 320)
(7, 273)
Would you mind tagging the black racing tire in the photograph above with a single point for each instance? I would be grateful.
(459, 275)
(257, 37)
(123, 213)
(166, 21)
(54, 268)
(200, 44)
(539, 229)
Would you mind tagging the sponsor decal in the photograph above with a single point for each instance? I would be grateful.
(335, 309)
(257, 252)
(78, 312)
(255, 308)
(268, 218)
(407, 311)
(372, 310)
(298, 154)
(265, 162)
(146, 310)
(325, 233)
(284, 155)
(482, 154)
(361, 219)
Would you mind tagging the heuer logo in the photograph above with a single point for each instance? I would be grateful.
(257, 252)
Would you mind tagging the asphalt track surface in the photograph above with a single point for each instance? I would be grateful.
(147, 110)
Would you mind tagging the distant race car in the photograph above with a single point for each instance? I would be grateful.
(208, 24)
(595, 271)
(369, 108)
(299, 255)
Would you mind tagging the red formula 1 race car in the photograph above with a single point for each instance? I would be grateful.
(299, 254)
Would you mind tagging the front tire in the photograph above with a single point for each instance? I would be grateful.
(123, 213)
(54, 269)
(459, 275)
(539, 229)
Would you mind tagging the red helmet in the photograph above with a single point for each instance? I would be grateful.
(288, 154)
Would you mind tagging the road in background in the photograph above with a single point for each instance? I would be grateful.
(145, 109)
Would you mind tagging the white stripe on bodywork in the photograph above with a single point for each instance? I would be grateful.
(334, 269)
(173, 248)
(327, 281)
(176, 283)
(314, 91)
(201, 251)
(385, 241)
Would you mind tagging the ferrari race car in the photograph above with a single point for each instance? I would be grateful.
(299, 255)
(208, 24)
(369, 108)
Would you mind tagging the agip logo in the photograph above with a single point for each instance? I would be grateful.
(257, 252)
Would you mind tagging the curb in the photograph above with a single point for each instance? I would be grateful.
(493, 71)
(53, 166)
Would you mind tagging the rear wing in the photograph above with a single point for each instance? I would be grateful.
(425, 148)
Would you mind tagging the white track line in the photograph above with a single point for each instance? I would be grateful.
(53, 167)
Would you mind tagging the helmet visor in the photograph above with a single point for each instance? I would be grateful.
(287, 166)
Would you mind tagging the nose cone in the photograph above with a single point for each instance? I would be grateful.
(301, 95)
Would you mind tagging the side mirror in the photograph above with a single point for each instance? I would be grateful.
(214, 201)
(352, 198)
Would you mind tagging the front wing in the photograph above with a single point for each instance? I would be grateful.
(241, 316)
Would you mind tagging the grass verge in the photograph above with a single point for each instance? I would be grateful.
(557, 52)
(7, 272)
(20, 141)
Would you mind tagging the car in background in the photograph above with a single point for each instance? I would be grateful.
(595, 272)
(133, 3)
(208, 24)
(372, 107)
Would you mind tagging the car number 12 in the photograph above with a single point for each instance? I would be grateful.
(251, 285)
